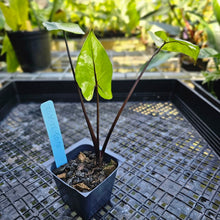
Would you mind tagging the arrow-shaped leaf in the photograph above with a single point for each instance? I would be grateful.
(69, 27)
(93, 65)
(175, 45)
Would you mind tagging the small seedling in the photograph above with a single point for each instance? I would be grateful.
(93, 72)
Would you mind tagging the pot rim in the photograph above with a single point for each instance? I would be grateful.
(28, 33)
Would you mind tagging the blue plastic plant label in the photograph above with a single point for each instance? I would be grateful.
(54, 133)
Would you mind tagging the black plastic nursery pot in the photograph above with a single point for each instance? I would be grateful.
(205, 91)
(32, 49)
(189, 65)
(86, 204)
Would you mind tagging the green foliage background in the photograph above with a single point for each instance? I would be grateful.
(110, 18)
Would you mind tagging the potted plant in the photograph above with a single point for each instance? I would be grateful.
(25, 44)
(93, 75)
(211, 82)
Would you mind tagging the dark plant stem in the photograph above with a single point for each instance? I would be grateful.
(97, 151)
(97, 124)
(97, 116)
(94, 140)
(126, 100)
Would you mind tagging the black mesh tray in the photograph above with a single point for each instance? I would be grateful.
(168, 134)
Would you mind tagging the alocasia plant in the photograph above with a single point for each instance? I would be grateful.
(93, 72)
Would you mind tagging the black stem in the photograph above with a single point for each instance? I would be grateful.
(94, 140)
(97, 123)
(97, 114)
(97, 151)
(126, 100)
(97, 106)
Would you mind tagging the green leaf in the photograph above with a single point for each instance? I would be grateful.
(216, 56)
(11, 59)
(211, 76)
(207, 52)
(210, 35)
(160, 58)
(172, 30)
(9, 15)
(16, 15)
(158, 41)
(22, 8)
(2, 21)
(69, 27)
(133, 15)
(93, 63)
(216, 8)
(161, 10)
(177, 45)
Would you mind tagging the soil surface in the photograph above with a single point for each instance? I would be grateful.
(83, 173)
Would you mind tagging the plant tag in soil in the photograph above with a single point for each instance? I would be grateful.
(54, 133)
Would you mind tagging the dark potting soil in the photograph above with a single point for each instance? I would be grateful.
(83, 173)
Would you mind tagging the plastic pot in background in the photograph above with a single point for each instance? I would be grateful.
(188, 64)
(86, 204)
(32, 49)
